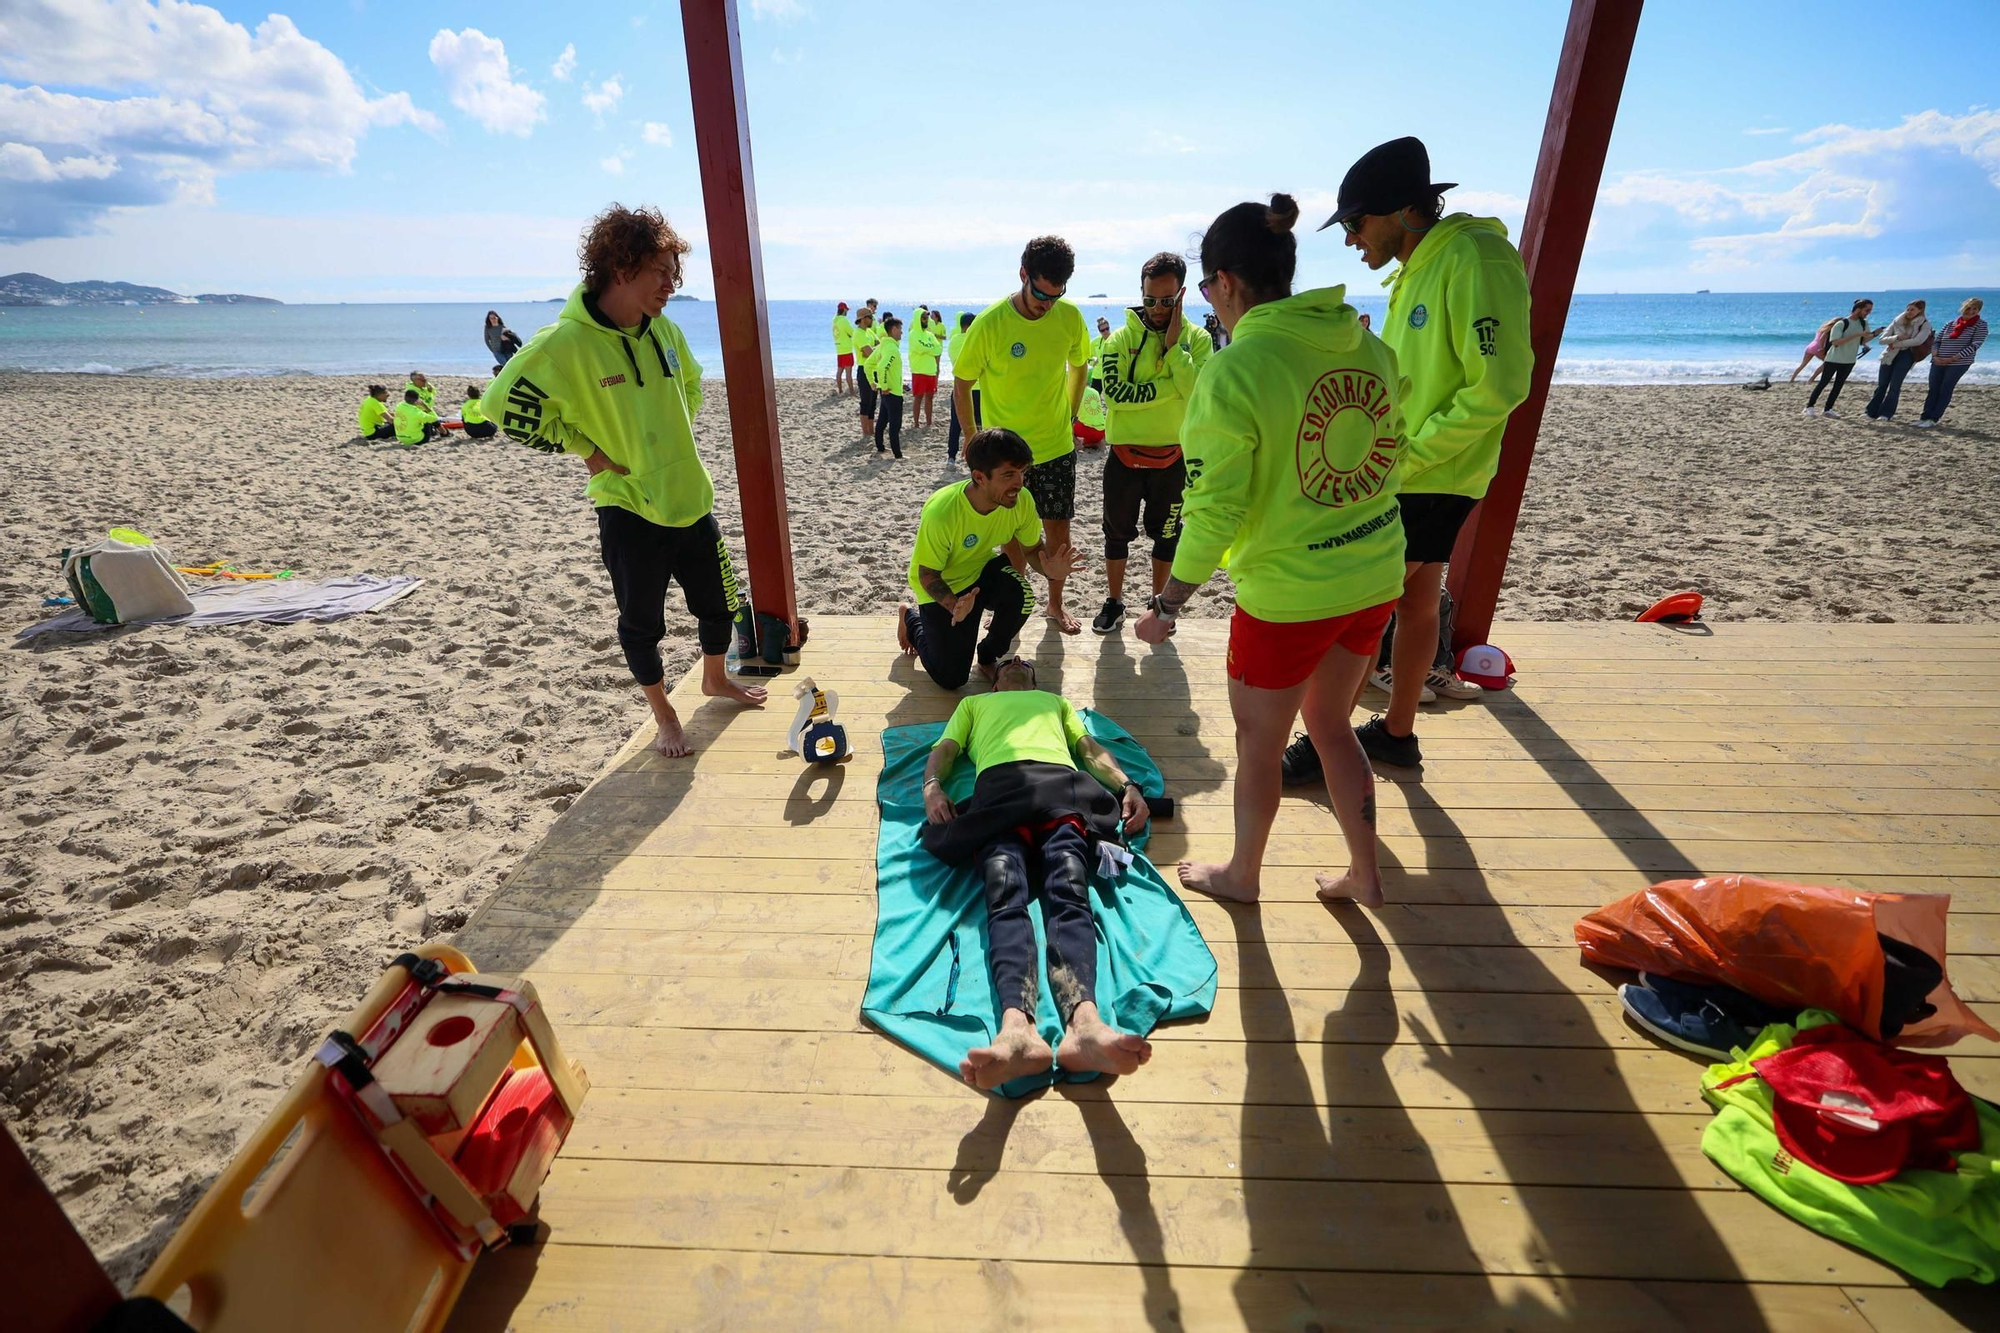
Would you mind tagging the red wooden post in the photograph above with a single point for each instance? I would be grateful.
(729, 194)
(1596, 50)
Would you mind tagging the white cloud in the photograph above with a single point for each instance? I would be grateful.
(479, 82)
(1769, 129)
(180, 96)
(782, 11)
(615, 164)
(22, 162)
(603, 98)
(565, 64)
(660, 136)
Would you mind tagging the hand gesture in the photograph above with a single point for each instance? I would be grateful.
(599, 461)
(1151, 628)
(1134, 809)
(961, 605)
(937, 806)
(1061, 561)
(1173, 331)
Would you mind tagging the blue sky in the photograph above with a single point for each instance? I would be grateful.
(349, 150)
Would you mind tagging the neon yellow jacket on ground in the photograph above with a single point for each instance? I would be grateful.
(1458, 319)
(1147, 383)
(372, 414)
(583, 383)
(411, 418)
(843, 335)
(925, 348)
(472, 414)
(1292, 439)
(885, 367)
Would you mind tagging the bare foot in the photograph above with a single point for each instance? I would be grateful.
(1216, 881)
(750, 696)
(1099, 1046)
(672, 741)
(1349, 888)
(1016, 1053)
(903, 629)
(1066, 622)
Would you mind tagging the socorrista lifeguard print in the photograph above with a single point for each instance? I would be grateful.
(1346, 449)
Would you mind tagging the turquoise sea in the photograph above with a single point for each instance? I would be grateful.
(1617, 339)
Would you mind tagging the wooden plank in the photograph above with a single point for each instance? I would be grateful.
(1926, 1310)
(563, 1288)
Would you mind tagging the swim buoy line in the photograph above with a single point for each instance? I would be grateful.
(1675, 608)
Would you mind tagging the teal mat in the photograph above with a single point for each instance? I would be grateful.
(928, 982)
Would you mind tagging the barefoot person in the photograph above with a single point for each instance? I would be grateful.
(843, 351)
(956, 575)
(926, 346)
(1032, 802)
(1149, 368)
(1458, 323)
(613, 382)
(1028, 355)
(1293, 437)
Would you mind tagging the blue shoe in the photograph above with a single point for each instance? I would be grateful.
(1690, 1022)
(1747, 1010)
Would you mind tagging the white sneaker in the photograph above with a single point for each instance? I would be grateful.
(1380, 680)
(1810, 412)
(1925, 425)
(1831, 413)
(1450, 686)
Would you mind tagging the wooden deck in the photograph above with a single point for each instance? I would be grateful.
(1429, 1116)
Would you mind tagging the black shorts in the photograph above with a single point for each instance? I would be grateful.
(1053, 484)
(1431, 524)
(867, 392)
(1159, 490)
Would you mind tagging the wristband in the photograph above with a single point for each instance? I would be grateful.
(1159, 608)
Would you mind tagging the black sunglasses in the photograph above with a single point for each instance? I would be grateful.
(1041, 295)
(1150, 301)
(1202, 286)
(1352, 226)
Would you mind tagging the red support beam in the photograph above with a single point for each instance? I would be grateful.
(1596, 50)
(729, 194)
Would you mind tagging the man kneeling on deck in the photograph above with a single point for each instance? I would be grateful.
(1030, 802)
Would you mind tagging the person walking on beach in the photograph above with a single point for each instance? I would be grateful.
(843, 351)
(866, 336)
(1957, 347)
(975, 542)
(972, 423)
(1904, 343)
(1149, 368)
(501, 341)
(375, 415)
(613, 382)
(1458, 324)
(1294, 440)
(1845, 338)
(925, 349)
(885, 369)
(1028, 353)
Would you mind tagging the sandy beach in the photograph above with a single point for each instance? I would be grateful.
(212, 839)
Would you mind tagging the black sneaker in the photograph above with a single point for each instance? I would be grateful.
(1109, 617)
(1301, 761)
(1395, 751)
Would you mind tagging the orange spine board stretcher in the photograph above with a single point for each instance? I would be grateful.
(325, 1221)
(1674, 607)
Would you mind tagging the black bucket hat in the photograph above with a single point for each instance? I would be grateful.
(1387, 177)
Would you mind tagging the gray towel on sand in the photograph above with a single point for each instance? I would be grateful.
(232, 602)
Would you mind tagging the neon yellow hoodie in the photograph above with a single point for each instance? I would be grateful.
(583, 383)
(472, 414)
(864, 340)
(426, 392)
(1458, 319)
(411, 418)
(925, 348)
(843, 335)
(1292, 438)
(1146, 383)
(885, 367)
(372, 414)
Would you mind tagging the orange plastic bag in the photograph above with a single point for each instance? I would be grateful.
(1803, 945)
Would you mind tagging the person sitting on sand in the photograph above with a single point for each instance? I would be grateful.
(955, 576)
(374, 415)
(1032, 801)
(614, 383)
(415, 423)
(472, 415)
(425, 393)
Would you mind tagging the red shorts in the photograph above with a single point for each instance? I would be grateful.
(844, 360)
(921, 385)
(1275, 655)
(1086, 434)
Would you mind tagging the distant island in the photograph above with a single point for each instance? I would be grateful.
(682, 296)
(34, 289)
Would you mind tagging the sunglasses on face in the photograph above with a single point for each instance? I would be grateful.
(1352, 226)
(1202, 286)
(1041, 295)
(1150, 301)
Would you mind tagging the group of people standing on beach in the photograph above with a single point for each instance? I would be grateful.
(1330, 468)
(1906, 340)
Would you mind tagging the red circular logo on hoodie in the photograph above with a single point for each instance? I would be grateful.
(1346, 450)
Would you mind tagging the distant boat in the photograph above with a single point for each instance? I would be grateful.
(1701, 291)
(1095, 296)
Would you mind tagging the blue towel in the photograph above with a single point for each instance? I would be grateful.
(929, 986)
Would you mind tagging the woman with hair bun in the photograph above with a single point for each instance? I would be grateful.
(1292, 437)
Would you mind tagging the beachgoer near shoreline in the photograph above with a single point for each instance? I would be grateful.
(957, 427)
(843, 351)
(1149, 368)
(1020, 740)
(925, 349)
(613, 382)
(501, 341)
(416, 423)
(866, 336)
(1365, 324)
(1958, 345)
(1845, 338)
(955, 575)
(374, 416)
(472, 415)
(885, 370)
(1028, 353)
(1293, 441)
(1458, 324)
(1904, 343)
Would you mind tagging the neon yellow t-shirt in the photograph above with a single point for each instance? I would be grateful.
(411, 418)
(426, 393)
(472, 414)
(843, 335)
(1007, 726)
(864, 339)
(373, 413)
(957, 540)
(1022, 369)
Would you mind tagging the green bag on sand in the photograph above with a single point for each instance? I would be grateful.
(929, 986)
(1934, 1225)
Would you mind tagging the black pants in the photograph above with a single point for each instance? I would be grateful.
(889, 417)
(868, 394)
(481, 430)
(642, 558)
(946, 650)
(1158, 490)
(1889, 383)
(1065, 917)
(1836, 375)
(951, 440)
(385, 431)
